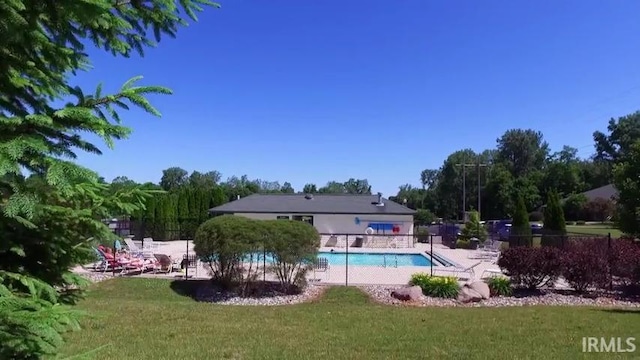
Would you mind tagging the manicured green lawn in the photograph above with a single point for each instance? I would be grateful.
(147, 319)
(594, 230)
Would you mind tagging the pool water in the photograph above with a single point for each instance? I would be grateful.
(375, 259)
(364, 259)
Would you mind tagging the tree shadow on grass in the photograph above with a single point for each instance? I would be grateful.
(188, 288)
(621, 311)
(209, 291)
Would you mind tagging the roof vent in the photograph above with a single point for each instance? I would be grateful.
(308, 196)
(379, 202)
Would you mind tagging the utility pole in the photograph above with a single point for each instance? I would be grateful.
(464, 165)
(478, 166)
(464, 186)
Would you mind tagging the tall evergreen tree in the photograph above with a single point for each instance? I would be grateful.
(554, 224)
(626, 173)
(45, 219)
(520, 234)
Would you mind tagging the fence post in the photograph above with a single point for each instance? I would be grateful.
(346, 262)
(113, 265)
(264, 264)
(143, 227)
(186, 263)
(431, 252)
(609, 261)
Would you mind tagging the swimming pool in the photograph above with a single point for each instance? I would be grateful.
(367, 259)
(375, 259)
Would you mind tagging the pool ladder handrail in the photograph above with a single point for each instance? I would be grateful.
(384, 258)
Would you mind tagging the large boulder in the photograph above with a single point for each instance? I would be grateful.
(413, 293)
(481, 288)
(467, 295)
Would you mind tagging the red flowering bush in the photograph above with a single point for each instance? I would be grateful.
(585, 264)
(624, 258)
(531, 267)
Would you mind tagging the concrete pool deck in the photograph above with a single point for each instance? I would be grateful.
(355, 274)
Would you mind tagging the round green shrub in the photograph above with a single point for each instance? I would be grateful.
(462, 244)
(499, 286)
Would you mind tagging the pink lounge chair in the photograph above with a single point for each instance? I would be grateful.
(122, 263)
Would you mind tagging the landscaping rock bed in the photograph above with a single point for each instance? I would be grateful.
(269, 294)
(95, 277)
(383, 295)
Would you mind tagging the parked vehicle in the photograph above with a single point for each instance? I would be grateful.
(503, 231)
(536, 229)
(450, 230)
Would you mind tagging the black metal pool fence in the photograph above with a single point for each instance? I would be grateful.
(374, 258)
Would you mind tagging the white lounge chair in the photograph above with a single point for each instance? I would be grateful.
(490, 251)
(481, 255)
(491, 246)
(147, 253)
(147, 243)
(491, 273)
(468, 270)
(132, 247)
(458, 270)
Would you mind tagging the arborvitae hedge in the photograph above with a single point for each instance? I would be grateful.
(520, 233)
(176, 215)
(554, 222)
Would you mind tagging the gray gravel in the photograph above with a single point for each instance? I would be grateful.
(213, 295)
(95, 277)
(382, 294)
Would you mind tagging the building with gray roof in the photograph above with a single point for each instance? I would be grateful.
(330, 213)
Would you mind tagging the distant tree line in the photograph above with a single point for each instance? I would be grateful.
(521, 164)
(183, 204)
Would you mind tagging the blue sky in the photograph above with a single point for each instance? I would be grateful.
(313, 91)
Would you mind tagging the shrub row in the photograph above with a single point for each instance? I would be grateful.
(436, 286)
(584, 264)
(448, 286)
(235, 247)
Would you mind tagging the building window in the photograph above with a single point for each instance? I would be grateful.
(283, 217)
(306, 218)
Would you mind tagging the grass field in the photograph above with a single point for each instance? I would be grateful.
(593, 229)
(148, 319)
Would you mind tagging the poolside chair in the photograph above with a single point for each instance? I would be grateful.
(146, 253)
(470, 270)
(103, 263)
(332, 242)
(111, 262)
(165, 264)
(118, 246)
(492, 246)
(480, 255)
(189, 261)
(458, 270)
(132, 247)
(491, 273)
(320, 265)
(149, 244)
(490, 250)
